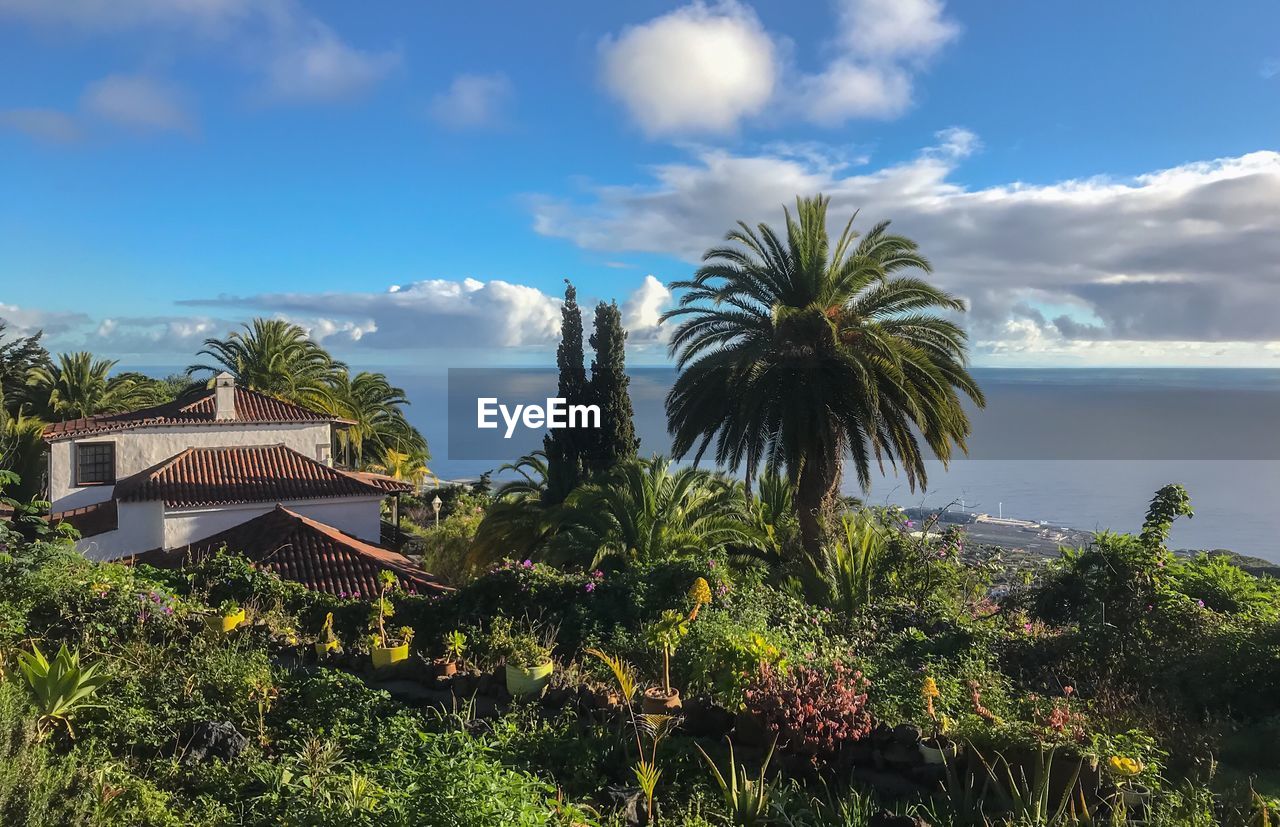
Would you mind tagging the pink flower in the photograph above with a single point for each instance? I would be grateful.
(1200, 603)
(590, 587)
(1026, 627)
(528, 564)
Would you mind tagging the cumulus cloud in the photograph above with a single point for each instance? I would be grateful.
(642, 311)
(136, 101)
(472, 101)
(699, 68)
(311, 63)
(1190, 253)
(706, 68)
(27, 321)
(431, 313)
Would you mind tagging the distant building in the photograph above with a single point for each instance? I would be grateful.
(161, 481)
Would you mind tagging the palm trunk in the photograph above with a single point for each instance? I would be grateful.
(816, 491)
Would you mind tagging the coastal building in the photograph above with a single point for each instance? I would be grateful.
(228, 466)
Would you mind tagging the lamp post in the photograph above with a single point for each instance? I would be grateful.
(435, 506)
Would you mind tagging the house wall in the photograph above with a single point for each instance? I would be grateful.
(141, 529)
(355, 515)
(144, 447)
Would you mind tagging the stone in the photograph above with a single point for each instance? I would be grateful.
(900, 754)
(630, 804)
(907, 734)
(704, 718)
(214, 739)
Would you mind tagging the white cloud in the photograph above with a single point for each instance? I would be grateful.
(642, 310)
(1270, 68)
(49, 125)
(472, 101)
(430, 313)
(311, 63)
(296, 55)
(138, 102)
(706, 68)
(699, 68)
(1186, 254)
(27, 321)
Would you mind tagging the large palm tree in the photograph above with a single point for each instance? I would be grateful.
(374, 407)
(80, 385)
(797, 353)
(520, 519)
(22, 453)
(642, 510)
(275, 357)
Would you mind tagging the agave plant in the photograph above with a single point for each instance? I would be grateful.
(745, 798)
(62, 688)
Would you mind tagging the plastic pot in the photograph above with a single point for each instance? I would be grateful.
(522, 682)
(384, 656)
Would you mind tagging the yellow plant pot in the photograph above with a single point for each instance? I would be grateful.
(384, 656)
(225, 623)
(523, 682)
(324, 647)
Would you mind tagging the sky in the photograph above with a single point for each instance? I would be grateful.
(412, 182)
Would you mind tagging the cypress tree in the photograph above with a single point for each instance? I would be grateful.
(565, 447)
(617, 439)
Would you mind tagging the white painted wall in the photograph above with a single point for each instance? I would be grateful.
(141, 528)
(144, 447)
(355, 515)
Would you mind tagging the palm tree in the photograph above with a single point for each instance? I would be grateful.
(403, 465)
(79, 385)
(275, 357)
(520, 520)
(796, 353)
(22, 453)
(642, 510)
(375, 409)
(844, 576)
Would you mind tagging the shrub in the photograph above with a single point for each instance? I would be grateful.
(812, 712)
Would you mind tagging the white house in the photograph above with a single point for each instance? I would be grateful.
(160, 480)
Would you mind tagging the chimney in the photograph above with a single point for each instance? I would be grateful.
(224, 397)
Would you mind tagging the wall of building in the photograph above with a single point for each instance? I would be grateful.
(142, 448)
(358, 516)
(141, 529)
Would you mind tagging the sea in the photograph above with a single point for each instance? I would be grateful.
(1081, 448)
(1078, 448)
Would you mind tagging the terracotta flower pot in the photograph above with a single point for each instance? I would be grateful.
(656, 701)
(384, 656)
(444, 668)
(522, 682)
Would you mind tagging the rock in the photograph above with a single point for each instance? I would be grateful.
(908, 734)
(214, 739)
(704, 718)
(748, 730)
(902, 755)
(630, 804)
(884, 818)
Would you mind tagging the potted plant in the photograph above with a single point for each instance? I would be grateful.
(387, 649)
(528, 663)
(230, 615)
(455, 647)
(328, 641)
(1126, 770)
(666, 635)
(936, 748)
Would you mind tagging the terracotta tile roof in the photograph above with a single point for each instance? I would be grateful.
(90, 520)
(252, 408)
(200, 477)
(389, 484)
(301, 549)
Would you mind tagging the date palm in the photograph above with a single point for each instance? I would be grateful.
(642, 510)
(79, 385)
(796, 353)
(375, 408)
(275, 357)
(520, 520)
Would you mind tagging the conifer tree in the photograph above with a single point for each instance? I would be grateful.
(565, 447)
(616, 439)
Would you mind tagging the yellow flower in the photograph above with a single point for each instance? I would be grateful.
(1123, 766)
(930, 688)
(700, 592)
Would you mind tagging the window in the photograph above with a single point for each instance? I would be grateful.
(95, 463)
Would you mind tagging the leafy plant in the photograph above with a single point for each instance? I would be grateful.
(666, 635)
(746, 799)
(813, 712)
(1030, 797)
(62, 688)
(455, 646)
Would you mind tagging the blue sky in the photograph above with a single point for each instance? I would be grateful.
(1101, 182)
